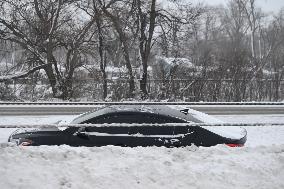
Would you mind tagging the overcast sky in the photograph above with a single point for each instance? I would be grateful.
(265, 5)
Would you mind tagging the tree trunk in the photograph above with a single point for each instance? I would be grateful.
(51, 78)
(104, 84)
(102, 54)
(125, 48)
(145, 43)
(143, 83)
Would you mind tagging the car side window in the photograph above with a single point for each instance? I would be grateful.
(153, 118)
(133, 117)
(107, 118)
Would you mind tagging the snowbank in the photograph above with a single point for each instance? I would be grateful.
(260, 164)
(118, 167)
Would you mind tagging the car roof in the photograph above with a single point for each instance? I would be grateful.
(180, 112)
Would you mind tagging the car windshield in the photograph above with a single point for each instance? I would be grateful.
(87, 114)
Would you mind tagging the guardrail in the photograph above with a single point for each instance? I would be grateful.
(147, 125)
(141, 103)
(73, 108)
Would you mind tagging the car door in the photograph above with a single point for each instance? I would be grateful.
(126, 134)
(78, 136)
(148, 134)
(102, 135)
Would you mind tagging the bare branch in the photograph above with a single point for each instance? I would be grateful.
(22, 74)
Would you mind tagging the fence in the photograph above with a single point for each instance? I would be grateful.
(219, 90)
(186, 90)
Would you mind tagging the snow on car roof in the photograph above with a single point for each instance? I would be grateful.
(171, 111)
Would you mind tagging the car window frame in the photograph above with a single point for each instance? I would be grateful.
(168, 119)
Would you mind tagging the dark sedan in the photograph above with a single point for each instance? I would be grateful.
(136, 125)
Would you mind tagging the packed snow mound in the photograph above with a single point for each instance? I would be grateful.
(152, 167)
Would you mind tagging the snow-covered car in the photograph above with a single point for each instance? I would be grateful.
(136, 125)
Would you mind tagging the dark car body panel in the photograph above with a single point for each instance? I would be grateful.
(168, 136)
(134, 127)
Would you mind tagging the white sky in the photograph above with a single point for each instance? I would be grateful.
(265, 5)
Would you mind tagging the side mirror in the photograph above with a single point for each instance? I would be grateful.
(184, 111)
(81, 133)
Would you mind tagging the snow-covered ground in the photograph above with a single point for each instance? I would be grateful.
(260, 164)
(265, 118)
(219, 167)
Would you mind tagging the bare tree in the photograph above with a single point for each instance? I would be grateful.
(118, 26)
(37, 26)
(146, 25)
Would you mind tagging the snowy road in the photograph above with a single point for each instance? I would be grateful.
(260, 164)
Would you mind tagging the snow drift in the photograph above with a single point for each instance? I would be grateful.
(260, 164)
(152, 167)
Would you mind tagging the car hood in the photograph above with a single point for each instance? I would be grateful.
(25, 130)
